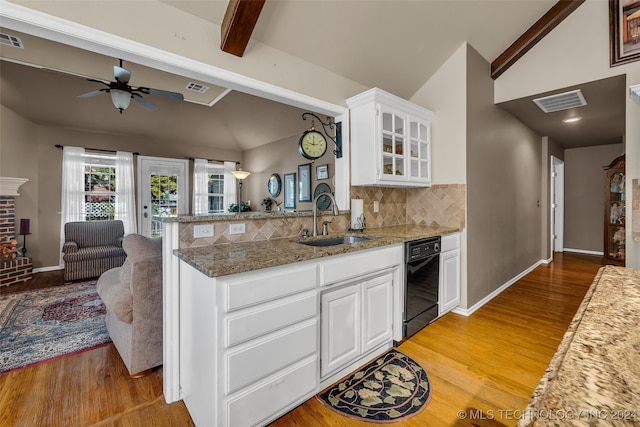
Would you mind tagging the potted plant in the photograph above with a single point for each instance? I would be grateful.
(267, 202)
(244, 207)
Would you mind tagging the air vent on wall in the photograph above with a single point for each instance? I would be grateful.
(197, 87)
(10, 40)
(561, 101)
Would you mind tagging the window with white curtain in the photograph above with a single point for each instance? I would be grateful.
(98, 186)
(213, 186)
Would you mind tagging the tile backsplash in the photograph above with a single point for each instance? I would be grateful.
(439, 205)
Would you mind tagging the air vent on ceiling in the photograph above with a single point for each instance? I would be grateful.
(561, 101)
(197, 87)
(10, 40)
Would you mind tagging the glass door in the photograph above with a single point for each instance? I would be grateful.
(419, 150)
(616, 217)
(163, 192)
(393, 139)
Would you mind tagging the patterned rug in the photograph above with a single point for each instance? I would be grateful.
(48, 323)
(391, 388)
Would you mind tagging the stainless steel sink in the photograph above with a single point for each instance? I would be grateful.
(333, 241)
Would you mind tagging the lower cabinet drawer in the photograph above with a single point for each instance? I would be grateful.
(272, 397)
(268, 356)
(270, 317)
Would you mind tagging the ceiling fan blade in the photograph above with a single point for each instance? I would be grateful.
(121, 75)
(165, 93)
(140, 100)
(93, 93)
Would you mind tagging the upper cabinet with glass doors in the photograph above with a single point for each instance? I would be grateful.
(390, 141)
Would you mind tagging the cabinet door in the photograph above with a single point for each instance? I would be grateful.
(419, 150)
(377, 311)
(340, 330)
(393, 136)
(449, 281)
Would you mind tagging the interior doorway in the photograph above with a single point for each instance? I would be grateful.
(163, 192)
(557, 205)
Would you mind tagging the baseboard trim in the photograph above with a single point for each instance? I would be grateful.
(51, 268)
(469, 311)
(582, 251)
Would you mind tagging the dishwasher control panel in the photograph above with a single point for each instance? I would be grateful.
(418, 249)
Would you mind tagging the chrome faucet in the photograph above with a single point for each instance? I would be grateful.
(336, 212)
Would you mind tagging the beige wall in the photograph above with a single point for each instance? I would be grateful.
(584, 195)
(18, 159)
(281, 157)
(577, 51)
(445, 93)
(27, 151)
(504, 164)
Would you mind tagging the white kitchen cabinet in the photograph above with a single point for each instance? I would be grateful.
(340, 328)
(449, 286)
(356, 319)
(377, 311)
(390, 140)
(251, 345)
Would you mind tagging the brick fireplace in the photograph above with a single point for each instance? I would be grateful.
(18, 269)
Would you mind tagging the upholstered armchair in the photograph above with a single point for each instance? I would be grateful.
(91, 248)
(132, 295)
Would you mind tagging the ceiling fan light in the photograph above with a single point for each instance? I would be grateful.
(120, 98)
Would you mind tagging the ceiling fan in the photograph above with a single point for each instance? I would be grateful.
(122, 93)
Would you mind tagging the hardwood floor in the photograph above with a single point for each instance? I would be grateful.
(484, 365)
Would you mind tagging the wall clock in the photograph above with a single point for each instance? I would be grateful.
(312, 144)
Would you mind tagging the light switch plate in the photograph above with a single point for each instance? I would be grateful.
(376, 206)
(203, 230)
(236, 228)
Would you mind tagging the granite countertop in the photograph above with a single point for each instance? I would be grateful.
(593, 377)
(232, 258)
(251, 215)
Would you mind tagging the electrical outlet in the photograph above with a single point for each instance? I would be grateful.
(236, 228)
(203, 230)
(376, 206)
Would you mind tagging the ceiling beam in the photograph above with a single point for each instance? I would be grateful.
(533, 35)
(239, 21)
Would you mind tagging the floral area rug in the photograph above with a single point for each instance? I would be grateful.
(48, 323)
(391, 388)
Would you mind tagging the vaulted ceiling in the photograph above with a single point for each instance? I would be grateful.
(395, 45)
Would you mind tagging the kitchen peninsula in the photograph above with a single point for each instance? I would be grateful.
(264, 324)
(593, 377)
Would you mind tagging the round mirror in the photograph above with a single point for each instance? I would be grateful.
(274, 185)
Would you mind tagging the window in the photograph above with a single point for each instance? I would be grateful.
(97, 186)
(213, 187)
(99, 191)
(215, 191)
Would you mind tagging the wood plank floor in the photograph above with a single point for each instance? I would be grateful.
(482, 366)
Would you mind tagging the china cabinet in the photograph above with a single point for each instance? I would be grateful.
(614, 215)
(390, 140)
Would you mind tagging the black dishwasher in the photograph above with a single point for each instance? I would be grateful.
(422, 258)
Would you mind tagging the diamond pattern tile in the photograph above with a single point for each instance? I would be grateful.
(439, 205)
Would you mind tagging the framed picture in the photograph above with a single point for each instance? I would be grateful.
(322, 172)
(624, 31)
(304, 182)
(289, 190)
